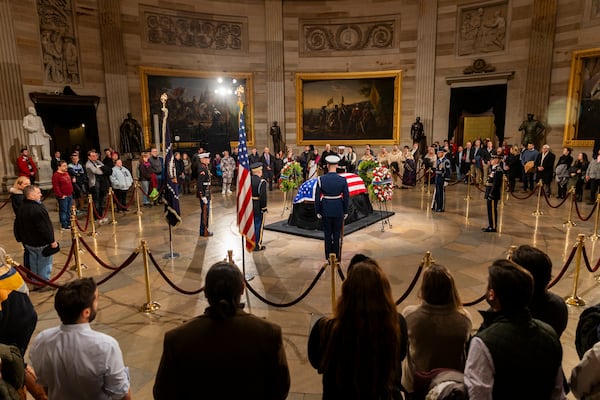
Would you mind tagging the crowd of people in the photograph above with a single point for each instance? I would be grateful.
(365, 350)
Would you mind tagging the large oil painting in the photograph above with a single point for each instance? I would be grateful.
(348, 108)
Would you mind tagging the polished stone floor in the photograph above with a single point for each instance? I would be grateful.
(290, 263)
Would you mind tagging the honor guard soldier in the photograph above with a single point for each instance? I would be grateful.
(204, 193)
(493, 192)
(259, 202)
(331, 204)
(443, 169)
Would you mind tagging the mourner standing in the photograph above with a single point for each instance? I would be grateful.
(204, 193)
(443, 169)
(331, 204)
(259, 202)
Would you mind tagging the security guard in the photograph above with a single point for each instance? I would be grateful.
(259, 202)
(443, 169)
(331, 204)
(493, 192)
(204, 193)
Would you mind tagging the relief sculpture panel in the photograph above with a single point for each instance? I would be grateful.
(60, 52)
(194, 31)
(482, 28)
(338, 37)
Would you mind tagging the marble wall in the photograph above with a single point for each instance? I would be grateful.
(369, 35)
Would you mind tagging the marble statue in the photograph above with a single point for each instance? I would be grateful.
(38, 137)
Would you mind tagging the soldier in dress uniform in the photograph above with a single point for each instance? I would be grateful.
(443, 170)
(204, 193)
(331, 204)
(259, 202)
(493, 191)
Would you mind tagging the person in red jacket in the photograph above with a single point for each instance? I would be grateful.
(26, 165)
(63, 189)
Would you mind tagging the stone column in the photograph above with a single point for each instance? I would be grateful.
(425, 65)
(274, 70)
(115, 69)
(539, 64)
(12, 103)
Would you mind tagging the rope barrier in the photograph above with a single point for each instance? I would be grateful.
(524, 198)
(591, 212)
(478, 188)
(411, 286)
(38, 280)
(564, 269)
(341, 274)
(98, 260)
(166, 278)
(87, 221)
(546, 197)
(4, 203)
(587, 262)
(472, 303)
(291, 303)
(115, 272)
(98, 216)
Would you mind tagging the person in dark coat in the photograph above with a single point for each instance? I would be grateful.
(225, 353)
(443, 170)
(544, 167)
(268, 163)
(493, 192)
(259, 202)
(331, 204)
(204, 193)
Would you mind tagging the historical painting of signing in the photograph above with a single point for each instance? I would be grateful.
(203, 106)
(340, 108)
(583, 102)
(482, 28)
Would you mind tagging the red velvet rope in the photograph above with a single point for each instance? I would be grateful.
(4, 203)
(548, 201)
(526, 197)
(563, 269)
(412, 285)
(587, 262)
(170, 282)
(591, 212)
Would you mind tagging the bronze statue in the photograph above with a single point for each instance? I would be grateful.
(131, 136)
(275, 133)
(417, 133)
(532, 131)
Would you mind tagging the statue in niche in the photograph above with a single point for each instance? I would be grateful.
(131, 135)
(38, 137)
(275, 133)
(532, 131)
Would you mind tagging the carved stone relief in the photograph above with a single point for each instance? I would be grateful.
(336, 37)
(60, 52)
(209, 33)
(482, 28)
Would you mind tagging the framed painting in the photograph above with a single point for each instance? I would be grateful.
(348, 108)
(582, 120)
(203, 109)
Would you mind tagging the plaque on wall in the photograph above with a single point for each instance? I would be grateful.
(482, 28)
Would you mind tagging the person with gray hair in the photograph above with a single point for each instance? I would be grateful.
(544, 167)
(225, 353)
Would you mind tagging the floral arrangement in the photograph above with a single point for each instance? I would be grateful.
(291, 177)
(381, 187)
(365, 170)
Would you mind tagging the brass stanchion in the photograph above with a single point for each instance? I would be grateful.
(510, 252)
(569, 222)
(505, 192)
(332, 265)
(427, 259)
(429, 181)
(111, 195)
(150, 306)
(423, 179)
(284, 203)
(502, 190)
(575, 300)
(595, 236)
(468, 197)
(136, 188)
(229, 257)
(91, 215)
(75, 237)
(537, 211)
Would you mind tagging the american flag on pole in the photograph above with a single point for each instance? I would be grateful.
(306, 191)
(172, 209)
(245, 217)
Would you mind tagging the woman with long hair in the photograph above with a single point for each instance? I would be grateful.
(438, 328)
(360, 349)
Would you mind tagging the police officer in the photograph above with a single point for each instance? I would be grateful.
(331, 204)
(204, 193)
(443, 169)
(493, 191)
(259, 202)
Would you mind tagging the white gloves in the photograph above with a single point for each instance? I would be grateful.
(204, 200)
(319, 216)
(345, 216)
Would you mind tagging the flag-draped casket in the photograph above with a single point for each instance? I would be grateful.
(303, 213)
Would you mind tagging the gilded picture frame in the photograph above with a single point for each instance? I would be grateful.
(583, 100)
(201, 104)
(355, 108)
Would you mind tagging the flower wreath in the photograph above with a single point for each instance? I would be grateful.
(381, 187)
(365, 170)
(291, 177)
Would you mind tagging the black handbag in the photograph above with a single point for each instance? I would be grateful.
(49, 250)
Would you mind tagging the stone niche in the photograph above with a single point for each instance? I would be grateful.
(482, 28)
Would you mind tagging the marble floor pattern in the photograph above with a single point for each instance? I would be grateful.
(290, 263)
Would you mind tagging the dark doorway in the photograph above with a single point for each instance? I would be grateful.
(70, 120)
(477, 100)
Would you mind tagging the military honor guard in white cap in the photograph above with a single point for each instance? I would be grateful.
(259, 202)
(204, 193)
(443, 170)
(493, 192)
(331, 204)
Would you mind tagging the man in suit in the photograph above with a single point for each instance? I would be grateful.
(331, 204)
(225, 353)
(267, 160)
(259, 202)
(544, 166)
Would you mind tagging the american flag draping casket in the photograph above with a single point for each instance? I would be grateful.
(306, 191)
(303, 213)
